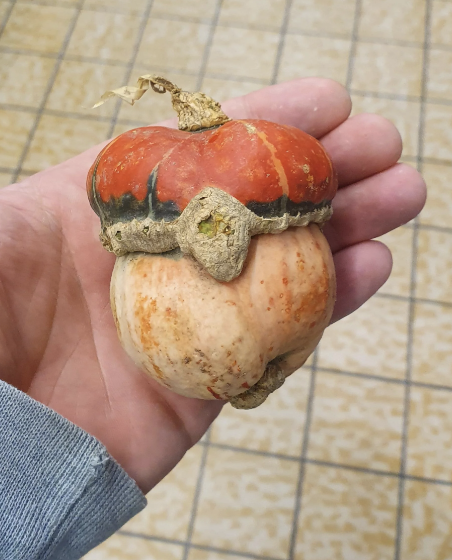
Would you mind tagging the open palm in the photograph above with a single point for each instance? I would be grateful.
(58, 340)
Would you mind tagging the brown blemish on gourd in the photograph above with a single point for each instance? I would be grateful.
(157, 370)
(216, 395)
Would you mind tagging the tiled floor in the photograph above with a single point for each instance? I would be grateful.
(351, 459)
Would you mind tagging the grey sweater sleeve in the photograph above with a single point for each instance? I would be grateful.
(61, 493)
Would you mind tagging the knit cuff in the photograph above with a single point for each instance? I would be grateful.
(61, 492)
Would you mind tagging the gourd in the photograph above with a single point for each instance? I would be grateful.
(223, 282)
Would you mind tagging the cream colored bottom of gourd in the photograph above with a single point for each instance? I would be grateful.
(207, 339)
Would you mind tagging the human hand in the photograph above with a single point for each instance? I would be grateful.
(58, 341)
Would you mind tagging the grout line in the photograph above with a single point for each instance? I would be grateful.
(431, 227)
(247, 451)
(440, 47)
(303, 458)
(354, 40)
(206, 548)
(389, 42)
(332, 464)
(436, 161)
(130, 65)
(78, 8)
(358, 375)
(370, 376)
(195, 503)
(281, 42)
(441, 101)
(407, 400)
(27, 52)
(394, 297)
(354, 468)
(432, 301)
(6, 17)
(9, 170)
(208, 46)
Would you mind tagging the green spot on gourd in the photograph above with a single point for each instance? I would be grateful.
(213, 225)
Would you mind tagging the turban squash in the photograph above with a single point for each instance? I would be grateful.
(204, 301)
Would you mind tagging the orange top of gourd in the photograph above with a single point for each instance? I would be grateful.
(155, 171)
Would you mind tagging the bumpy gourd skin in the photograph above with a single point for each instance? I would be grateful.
(212, 340)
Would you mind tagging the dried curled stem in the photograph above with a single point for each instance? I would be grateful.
(196, 111)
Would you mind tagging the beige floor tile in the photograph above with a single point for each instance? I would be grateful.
(246, 503)
(20, 31)
(438, 132)
(5, 179)
(427, 521)
(399, 242)
(18, 125)
(439, 85)
(79, 85)
(371, 340)
(404, 114)
(357, 422)
(441, 25)
(197, 554)
(346, 515)
(438, 208)
(276, 426)
(322, 16)
(434, 266)
(243, 52)
(203, 9)
(432, 344)
(268, 14)
(17, 72)
(387, 19)
(387, 69)
(430, 434)
(120, 547)
(104, 35)
(314, 56)
(59, 138)
(172, 46)
(169, 503)
(152, 107)
(136, 7)
(221, 90)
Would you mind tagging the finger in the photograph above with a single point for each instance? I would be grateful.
(360, 270)
(315, 105)
(362, 146)
(374, 206)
